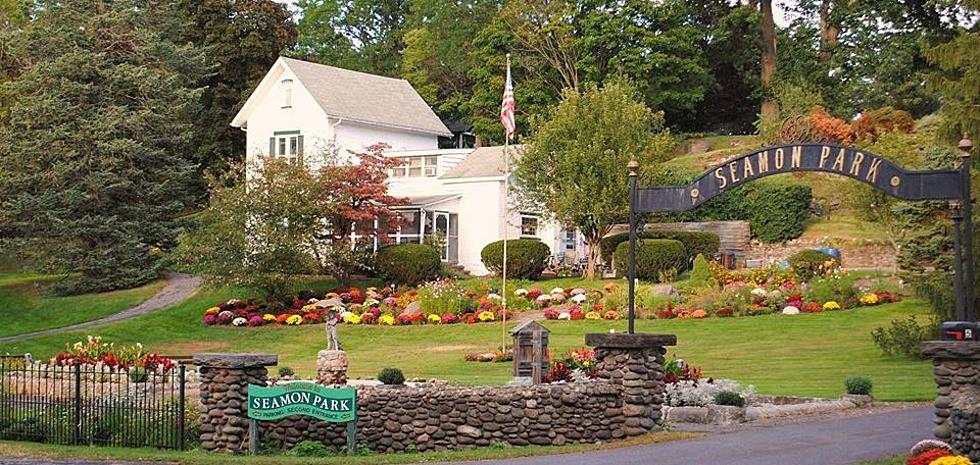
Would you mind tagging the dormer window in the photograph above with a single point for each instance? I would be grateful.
(287, 93)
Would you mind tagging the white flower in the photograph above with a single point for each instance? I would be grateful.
(578, 298)
(579, 291)
(543, 298)
(520, 292)
(233, 301)
(345, 315)
(371, 302)
(493, 296)
(758, 291)
(791, 310)
(239, 321)
(564, 316)
(557, 290)
(312, 300)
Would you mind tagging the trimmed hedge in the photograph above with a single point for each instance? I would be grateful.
(777, 208)
(652, 257)
(409, 264)
(526, 258)
(696, 242)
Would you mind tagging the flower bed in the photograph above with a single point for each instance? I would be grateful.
(95, 351)
(933, 452)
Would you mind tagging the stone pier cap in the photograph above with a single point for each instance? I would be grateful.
(235, 360)
(629, 341)
(951, 350)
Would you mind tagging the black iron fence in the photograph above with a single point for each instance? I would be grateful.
(94, 405)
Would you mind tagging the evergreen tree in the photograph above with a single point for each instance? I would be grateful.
(957, 80)
(242, 39)
(95, 145)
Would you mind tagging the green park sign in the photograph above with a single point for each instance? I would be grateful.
(336, 405)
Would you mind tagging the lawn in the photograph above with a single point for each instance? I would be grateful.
(809, 354)
(26, 304)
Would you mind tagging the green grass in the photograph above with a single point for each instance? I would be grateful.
(196, 457)
(808, 355)
(26, 305)
(844, 227)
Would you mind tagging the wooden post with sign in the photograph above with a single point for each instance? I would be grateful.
(335, 405)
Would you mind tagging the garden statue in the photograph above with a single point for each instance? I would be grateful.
(333, 342)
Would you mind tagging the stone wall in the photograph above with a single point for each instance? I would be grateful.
(956, 365)
(624, 401)
(441, 417)
(857, 254)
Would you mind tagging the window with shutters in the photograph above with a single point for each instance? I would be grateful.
(287, 145)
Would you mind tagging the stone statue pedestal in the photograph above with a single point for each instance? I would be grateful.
(331, 367)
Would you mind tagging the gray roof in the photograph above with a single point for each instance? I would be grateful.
(483, 162)
(426, 200)
(367, 98)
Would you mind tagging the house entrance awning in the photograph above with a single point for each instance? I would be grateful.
(426, 201)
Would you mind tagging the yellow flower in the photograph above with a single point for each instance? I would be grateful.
(309, 308)
(486, 316)
(269, 317)
(386, 319)
(435, 319)
(951, 460)
(869, 299)
(294, 320)
(831, 305)
(592, 316)
(212, 311)
(354, 319)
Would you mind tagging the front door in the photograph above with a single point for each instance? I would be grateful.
(441, 231)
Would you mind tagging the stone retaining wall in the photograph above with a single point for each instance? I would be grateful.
(956, 365)
(624, 401)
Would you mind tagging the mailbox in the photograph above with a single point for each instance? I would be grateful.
(530, 350)
(961, 330)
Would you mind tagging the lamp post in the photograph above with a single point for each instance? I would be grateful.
(634, 169)
(966, 145)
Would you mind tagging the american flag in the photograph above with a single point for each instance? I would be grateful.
(507, 107)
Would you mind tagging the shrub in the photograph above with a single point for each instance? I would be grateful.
(808, 264)
(702, 277)
(653, 256)
(903, 337)
(138, 375)
(730, 398)
(526, 258)
(696, 243)
(874, 123)
(408, 264)
(286, 371)
(309, 449)
(858, 385)
(777, 208)
(391, 376)
(834, 288)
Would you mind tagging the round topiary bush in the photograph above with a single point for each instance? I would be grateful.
(391, 376)
(695, 242)
(858, 385)
(286, 371)
(652, 257)
(808, 264)
(526, 258)
(730, 398)
(408, 264)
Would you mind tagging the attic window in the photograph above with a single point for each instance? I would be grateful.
(287, 93)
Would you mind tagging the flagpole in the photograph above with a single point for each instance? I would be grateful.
(503, 286)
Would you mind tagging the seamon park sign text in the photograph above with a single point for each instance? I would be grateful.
(336, 405)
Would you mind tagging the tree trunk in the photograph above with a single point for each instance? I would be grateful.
(594, 244)
(767, 28)
(829, 33)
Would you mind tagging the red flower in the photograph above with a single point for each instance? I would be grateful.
(369, 318)
(724, 312)
(577, 314)
(927, 457)
(551, 314)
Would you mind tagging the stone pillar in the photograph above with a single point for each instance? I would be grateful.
(331, 367)
(224, 397)
(956, 365)
(634, 362)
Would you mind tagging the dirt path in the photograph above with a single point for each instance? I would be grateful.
(179, 287)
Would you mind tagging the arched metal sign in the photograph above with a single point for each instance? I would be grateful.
(951, 185)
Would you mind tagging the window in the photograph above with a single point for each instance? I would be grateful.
(287, 93)
(416, 167)
(529, 226)
(287, 145)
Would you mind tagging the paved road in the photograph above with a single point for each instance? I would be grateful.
(839, 441)
(179, 287)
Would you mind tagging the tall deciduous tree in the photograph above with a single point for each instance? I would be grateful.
(242, 39)
(364, 35)
(767, 35)
(95, 144)
(574, 165)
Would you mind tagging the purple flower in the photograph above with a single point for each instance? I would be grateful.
(210, 319)
(255, 320)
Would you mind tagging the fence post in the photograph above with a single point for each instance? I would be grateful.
(78, 404)
(182, 412)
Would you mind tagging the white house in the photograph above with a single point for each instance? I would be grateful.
(456, 194)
